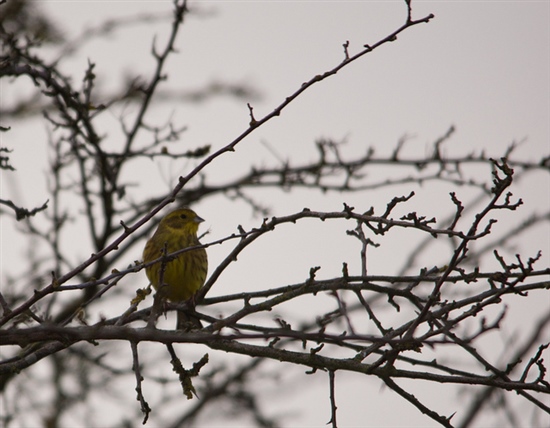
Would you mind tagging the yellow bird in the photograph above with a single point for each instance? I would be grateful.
(185, 275)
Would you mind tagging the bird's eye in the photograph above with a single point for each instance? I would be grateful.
(183, 216)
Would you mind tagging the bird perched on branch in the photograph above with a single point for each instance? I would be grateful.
(177, 278)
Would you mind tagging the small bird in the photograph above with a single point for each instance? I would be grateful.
(185, 275)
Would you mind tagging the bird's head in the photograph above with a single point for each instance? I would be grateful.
(182, 220)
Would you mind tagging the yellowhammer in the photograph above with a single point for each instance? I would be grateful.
(185, 275)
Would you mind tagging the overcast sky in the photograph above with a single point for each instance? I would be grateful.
(483, 67)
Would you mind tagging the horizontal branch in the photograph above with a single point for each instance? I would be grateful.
(68, 335)
(20, 212)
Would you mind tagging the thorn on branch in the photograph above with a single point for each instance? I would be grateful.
(253, 123)
(346, 53)
(316, 350)
(272, 343)
(312, 272)
(448, 419)
(394, 303)
(369, 212)
(348, 210)
(468, 277)
(345, 272)
(284, 325)
(264, 225)
(126, 228)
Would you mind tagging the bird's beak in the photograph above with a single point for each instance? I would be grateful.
(198, 219)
